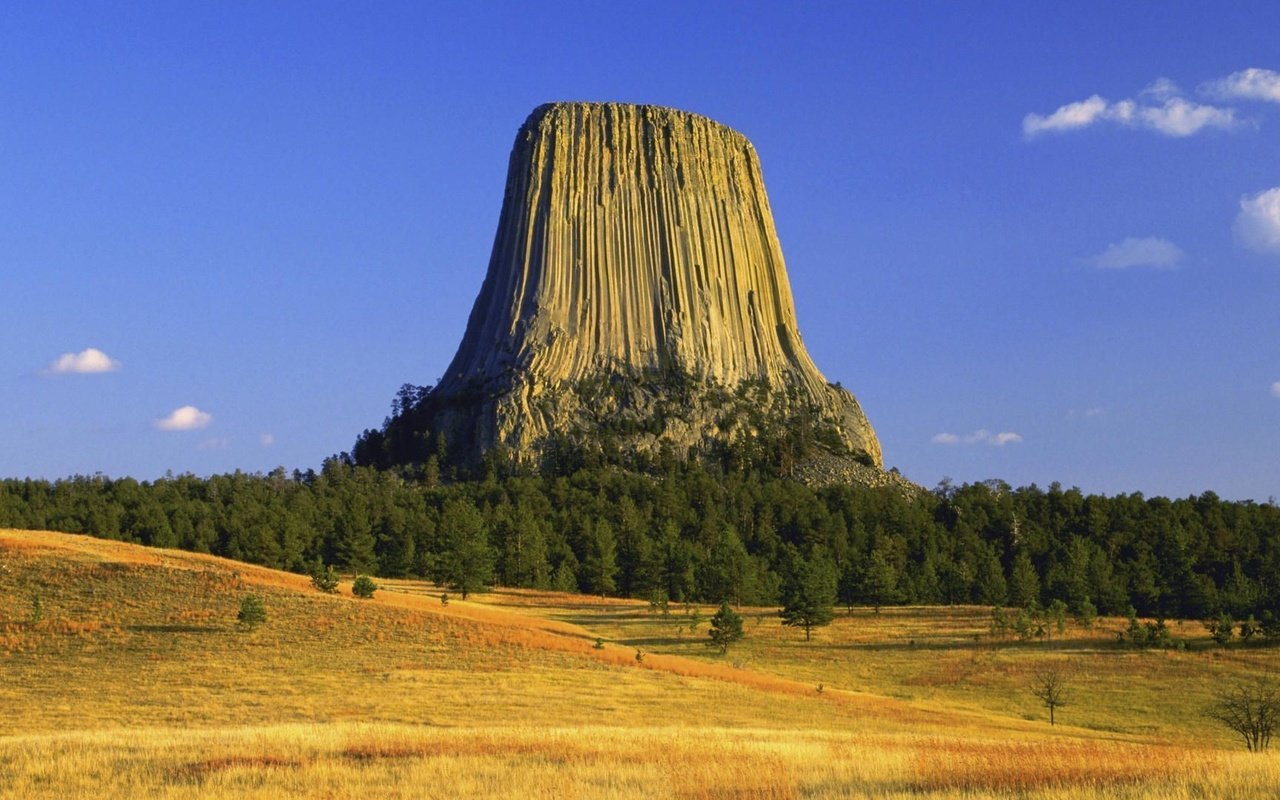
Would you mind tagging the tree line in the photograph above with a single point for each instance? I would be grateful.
(695, 532)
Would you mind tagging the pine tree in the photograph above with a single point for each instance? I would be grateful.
(809, 593)
(252, 612)
(726, 628)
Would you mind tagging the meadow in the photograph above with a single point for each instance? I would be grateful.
(134, 679)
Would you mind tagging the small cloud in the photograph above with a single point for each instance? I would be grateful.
(1001, 439)
(1161, 89)
(1093, 412)
(267, 439)
(187, 418)
(1275, 389)
(1257, 226)
(89, 360)
(981, 436)
(1247, 84)
(214, 443)
(1067, 118)
(1172, 115)
(1151, 251)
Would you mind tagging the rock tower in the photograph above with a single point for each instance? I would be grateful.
(636, 286)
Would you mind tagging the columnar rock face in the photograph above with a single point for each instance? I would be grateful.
(633, 240)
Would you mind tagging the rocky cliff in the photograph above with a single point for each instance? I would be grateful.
(636, 283)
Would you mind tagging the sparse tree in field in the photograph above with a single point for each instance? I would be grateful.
(252, 612)
(1270, 625)
(1221, 629)
(694, 615)
(1050, 687)
(809, 594)
(466, 560)
(880, 581)
(999, 623)
(1057, 614)
(363, 587)
(1248, 629)
(1086, 613)
(37, 608)
(726, 628)
(325, 578)
(1251, 710)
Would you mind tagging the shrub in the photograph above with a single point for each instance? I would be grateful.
(325, 578)
(252, 612)
(363, 587)
(1086, 613)
(1221, 629)
(726, 628)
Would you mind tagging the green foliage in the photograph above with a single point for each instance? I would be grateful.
(699, 530)
(465, 561)
(726, 628)
(363, 587)
(252, 612)
(1086, 613)
(325, 578)
(1221, 628)
(1249, 628)
(809, 593)
(1000, 624)
(1056, 618)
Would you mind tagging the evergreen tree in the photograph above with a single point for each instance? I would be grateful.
(880, 581)
(465, 563)
(1024, 584)
(726, 628)
(601, 565)
(809, 593)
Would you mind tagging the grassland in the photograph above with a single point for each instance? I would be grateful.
(136, 681)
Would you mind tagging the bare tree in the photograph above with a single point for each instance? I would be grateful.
(1050, 688)
(1249, 709)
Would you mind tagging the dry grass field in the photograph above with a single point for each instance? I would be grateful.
(133, 679)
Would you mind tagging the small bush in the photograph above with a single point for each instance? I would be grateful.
(252, 612)
(363, 587)
(325, 579)
(1221, 629)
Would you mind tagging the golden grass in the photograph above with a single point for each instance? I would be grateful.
(136, 682)
(355, 759)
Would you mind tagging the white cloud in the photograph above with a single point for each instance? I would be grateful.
(267, 439)
(1161, 89)
(214, 443)
(1172, 115)
(1150, 251)
(1275, 389)
(1179, 117)
(1066, 118)
(89, 360)
(1247, 84)
(1257, 226)
(980, 436)
(187, 418)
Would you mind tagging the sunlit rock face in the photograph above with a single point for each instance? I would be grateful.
(635, 243)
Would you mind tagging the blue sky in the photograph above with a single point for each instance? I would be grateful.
(1034, 239)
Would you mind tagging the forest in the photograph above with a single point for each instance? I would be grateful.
(693, 531)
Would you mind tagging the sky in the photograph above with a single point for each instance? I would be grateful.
(1039, 241)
